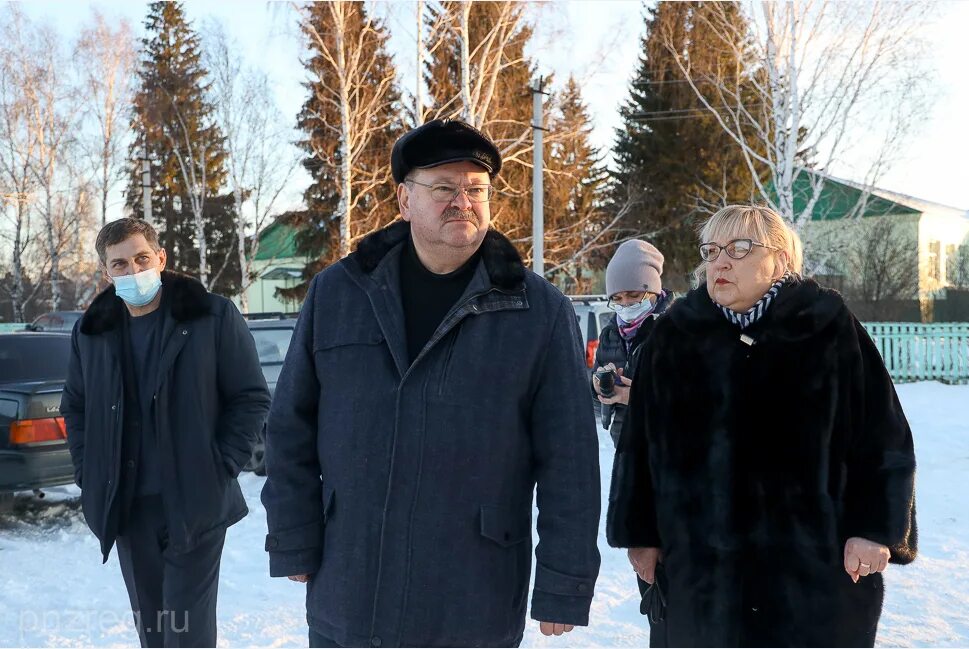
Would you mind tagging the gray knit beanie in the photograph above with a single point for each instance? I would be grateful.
(636, 266)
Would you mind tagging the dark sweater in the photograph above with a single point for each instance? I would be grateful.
(144, 346)
(427, 297)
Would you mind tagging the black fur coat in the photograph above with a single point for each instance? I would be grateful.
(750, 465)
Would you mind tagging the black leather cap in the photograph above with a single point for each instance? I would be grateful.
(439, 142)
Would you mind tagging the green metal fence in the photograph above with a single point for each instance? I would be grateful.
(923, 352)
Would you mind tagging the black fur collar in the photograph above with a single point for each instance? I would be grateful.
(801, 309)
(186, 295)
(504, 264)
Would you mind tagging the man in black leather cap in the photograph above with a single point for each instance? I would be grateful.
(431, 384)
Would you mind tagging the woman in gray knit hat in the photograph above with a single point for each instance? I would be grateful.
(635, 290)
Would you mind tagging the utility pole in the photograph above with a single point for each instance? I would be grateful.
(538, 191)
(145, 180)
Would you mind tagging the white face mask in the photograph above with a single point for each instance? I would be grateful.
(633, 311)
(138, 289)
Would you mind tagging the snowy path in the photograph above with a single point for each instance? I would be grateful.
(54, 591)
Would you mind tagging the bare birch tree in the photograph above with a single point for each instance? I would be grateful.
(479, 73)
(831, 78)
(55, 121)
(17, 182)
(40, 119)
(260, 159)
(882, 270)
(107, 58)
(191, 155)
(352, 109)
(419, 86)
(17, 156)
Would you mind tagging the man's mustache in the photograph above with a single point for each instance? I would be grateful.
(454, 214)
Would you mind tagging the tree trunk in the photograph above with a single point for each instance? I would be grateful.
(55, 259)
(465, 36)
(200, 238)
(346, 134)
(241, 241)
(17, 294)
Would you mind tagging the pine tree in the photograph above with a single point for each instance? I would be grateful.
(173, 120)
(576, 221)
(671, 157)
(372, 101)
(506, 117)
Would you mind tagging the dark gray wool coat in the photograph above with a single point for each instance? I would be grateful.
(751, 465)
(211, 401)
(406, 489)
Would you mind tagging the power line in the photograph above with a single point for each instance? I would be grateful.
(680, 113)
(663, 82)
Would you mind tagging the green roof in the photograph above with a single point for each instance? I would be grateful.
(839, 200)
(277, 241)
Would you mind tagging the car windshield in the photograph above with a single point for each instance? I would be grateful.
(272, 344)
(30, 358)
(57, 321)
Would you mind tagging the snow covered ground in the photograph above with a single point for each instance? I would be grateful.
(54, 590)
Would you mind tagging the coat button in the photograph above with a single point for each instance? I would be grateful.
(375, 641)
(131, 464)
(582, 588)
(474, 307)
(114, 407)
(184, 332)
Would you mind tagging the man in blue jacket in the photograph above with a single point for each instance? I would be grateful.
(431, 384)
(163, 401)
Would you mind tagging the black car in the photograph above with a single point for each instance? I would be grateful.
(56, 321)
(33, 437)
(272, 336)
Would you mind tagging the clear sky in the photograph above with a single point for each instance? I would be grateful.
(598, 42)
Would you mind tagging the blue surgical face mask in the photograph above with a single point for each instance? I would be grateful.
(138, 289)
(633, 311)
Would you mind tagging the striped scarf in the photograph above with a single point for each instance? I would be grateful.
(756, 312)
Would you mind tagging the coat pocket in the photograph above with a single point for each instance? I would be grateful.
(350, 365)
(505, 526)
(509, 528)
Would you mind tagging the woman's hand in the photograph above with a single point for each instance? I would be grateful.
(864, 557)
(644, 562)
(595, 379)
(620, 392)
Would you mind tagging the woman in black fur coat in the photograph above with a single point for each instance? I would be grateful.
(771, 469)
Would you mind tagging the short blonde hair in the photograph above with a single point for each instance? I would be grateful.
(757, 222)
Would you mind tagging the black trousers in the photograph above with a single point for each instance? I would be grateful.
(173, 596)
